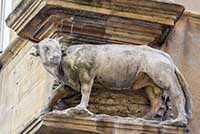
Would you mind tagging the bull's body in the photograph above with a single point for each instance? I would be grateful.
(116, 67)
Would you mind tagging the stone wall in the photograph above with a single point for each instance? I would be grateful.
(184, 47)
(23, 82)
(190, 5)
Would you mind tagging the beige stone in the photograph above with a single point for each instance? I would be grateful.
(184, 45)
(24, 90)
(21, 103)
(56, 123)
(96, 19)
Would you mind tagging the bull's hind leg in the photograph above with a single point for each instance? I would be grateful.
(153, 93)
(178, 100)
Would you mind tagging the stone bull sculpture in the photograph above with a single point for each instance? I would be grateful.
(116, 67)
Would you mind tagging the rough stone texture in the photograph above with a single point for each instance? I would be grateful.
(121, 103)
(184, 47)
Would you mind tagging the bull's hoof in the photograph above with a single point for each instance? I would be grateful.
(148, 116)
(77, 111)
(175, 122)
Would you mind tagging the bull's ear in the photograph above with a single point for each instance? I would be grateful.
(63, 50)
(36, 53)
(59, 39)
(35, 45)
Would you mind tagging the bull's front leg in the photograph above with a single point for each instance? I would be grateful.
(86, 87)
(85, 92)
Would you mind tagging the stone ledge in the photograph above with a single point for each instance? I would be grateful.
(56, 123)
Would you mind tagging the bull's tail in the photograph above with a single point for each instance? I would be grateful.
(186, 92)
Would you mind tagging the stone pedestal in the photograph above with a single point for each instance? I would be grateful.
(59, 123)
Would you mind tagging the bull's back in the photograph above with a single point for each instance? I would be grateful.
(117, 65)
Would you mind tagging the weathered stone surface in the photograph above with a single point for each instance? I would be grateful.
(6, 118)
(184, 52)
(58, 123)
(84, 66)
(121, 103)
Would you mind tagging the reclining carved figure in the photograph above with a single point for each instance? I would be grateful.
(116, 67)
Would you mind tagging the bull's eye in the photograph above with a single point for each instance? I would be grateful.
(46, 48)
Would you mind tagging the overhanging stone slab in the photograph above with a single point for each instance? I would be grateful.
(58, 123)
(96, 21)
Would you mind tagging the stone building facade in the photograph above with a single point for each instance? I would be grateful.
(24, 84)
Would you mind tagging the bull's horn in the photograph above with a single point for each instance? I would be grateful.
(59, 39)
(63, 48)
(35, 45)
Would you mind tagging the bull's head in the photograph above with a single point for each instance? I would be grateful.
(49, 51)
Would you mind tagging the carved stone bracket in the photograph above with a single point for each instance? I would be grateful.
(96, 21)
(57, 123)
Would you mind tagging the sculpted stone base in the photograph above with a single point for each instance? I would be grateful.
(122, 103)
(58, 123)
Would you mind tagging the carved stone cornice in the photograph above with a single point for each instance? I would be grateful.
(96, 21)
(192, 17)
